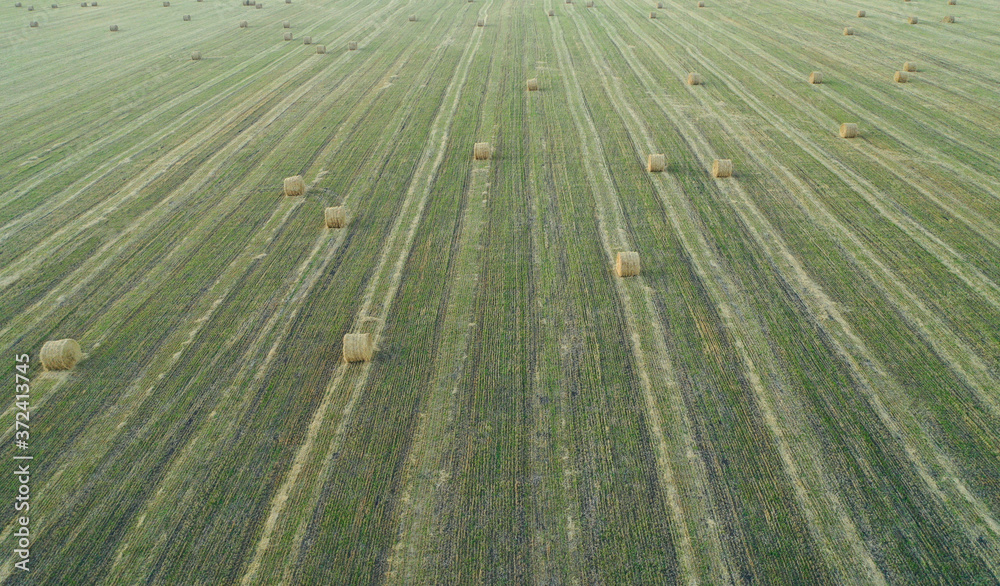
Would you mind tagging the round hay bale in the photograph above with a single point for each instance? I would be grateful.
(93, 3)
(83, 5)
(259, 6)
(815, 77)
(722, 168)
(569, 1)
(288, 36)
(288, 1)
(533, 85)
(481, 151)
(652, 15)
(352, 46)
(33, 24)
(848, 130)
(17, 5)
(307, 40)
(187, 17)
(656, 163)
(951, 2)
(909, 66)
(196, 56)
(848, 31)
(659, 5)
(627, 264)
(861, 14)
(335, 217)
(590, 4)
(701, 5)
(294, 185)
(114, 28)
(320, 49)
(413, 18)
(55, 6)
(901, 77)
(60, 354)
(552, 13)
(481, 22)
(286, 24)
(912, 20)
(358, 347)
(948, 19)
(694, 79)
(244, 24)
(166, 4)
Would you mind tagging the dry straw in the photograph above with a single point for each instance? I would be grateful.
(321, 49)
(701, 5)
(413, 18)
(481, 151)
(722, 168)
(533, 85)
(166, 4)
(949, 19)
(243, 24)
(627, 264)
(590, 4)
(951, 2)
(901, 77)
(912, 20)
(861, 14)
(286, 24)
(656, 163)
(17, 5)
(848, 31)
(358, 347)
(552, 13)
(83, 5)
(114, 28)
(848, 130)
(307, 40)
(481, 22)
(196, 56)
(260, 5)
(815, 77)
(288, 36)
(352, 46)
(909, 66)
(659, 5)
(652, 15)
(694, 79)
(60, 354)
(187, 17)
(335, 217)
(294, 185)
(33, 24)
(288, 1)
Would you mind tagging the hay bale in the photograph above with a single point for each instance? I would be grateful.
(569, 1)
(83, 5)
(861, 14)
(815, 77)
(848, 130)
(656, 163)
(909, 66)
(166, 4)
(187, 17)
(533, 85)
(701, 5)
(652, 15)
(590, 3)
(948, 19)
(95, 3)
(17, 5)
(552, 13)
(33, 24)
(481, 22)
(481, 151)
(286, 24)
(912, 20)
(60, 354)
(307, 40)
(335, 217)
(196, 56)
(659, 5)
(627, 264)
(244, 24)
(259, 6)
(352, 46)
(722, 168)
(848, 31)
(320, 49)
(901, 77)
(294, 185)
(413, 18)
(951, 2)
(358, 347)
(55, 6)
(288, 36)
(694, 79)
(114, 28)
(288, 1)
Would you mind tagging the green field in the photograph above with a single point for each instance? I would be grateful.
(802, 386)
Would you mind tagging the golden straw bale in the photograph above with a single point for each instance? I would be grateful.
(552, 13)
(701, 5)
(627, 264)
(722, 168)
(848, 31)
(909, 66)
(912, 20)
(321, 49)
(948, 19)
(652, 15)
(336, 217)
(533, 85)
(196, 56)
(815, 77)
(286, 24)
(482, 151)
(481, 22)
(60, 354)
(307, 40)
(288, 36)
(848, 130)
(413, 18)
(294, 185)
(243, 24)
(352, 46)
(590, 3)
(901, 77)
(694, 79)
(358, 347)
(861, 14)
(656, 163)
